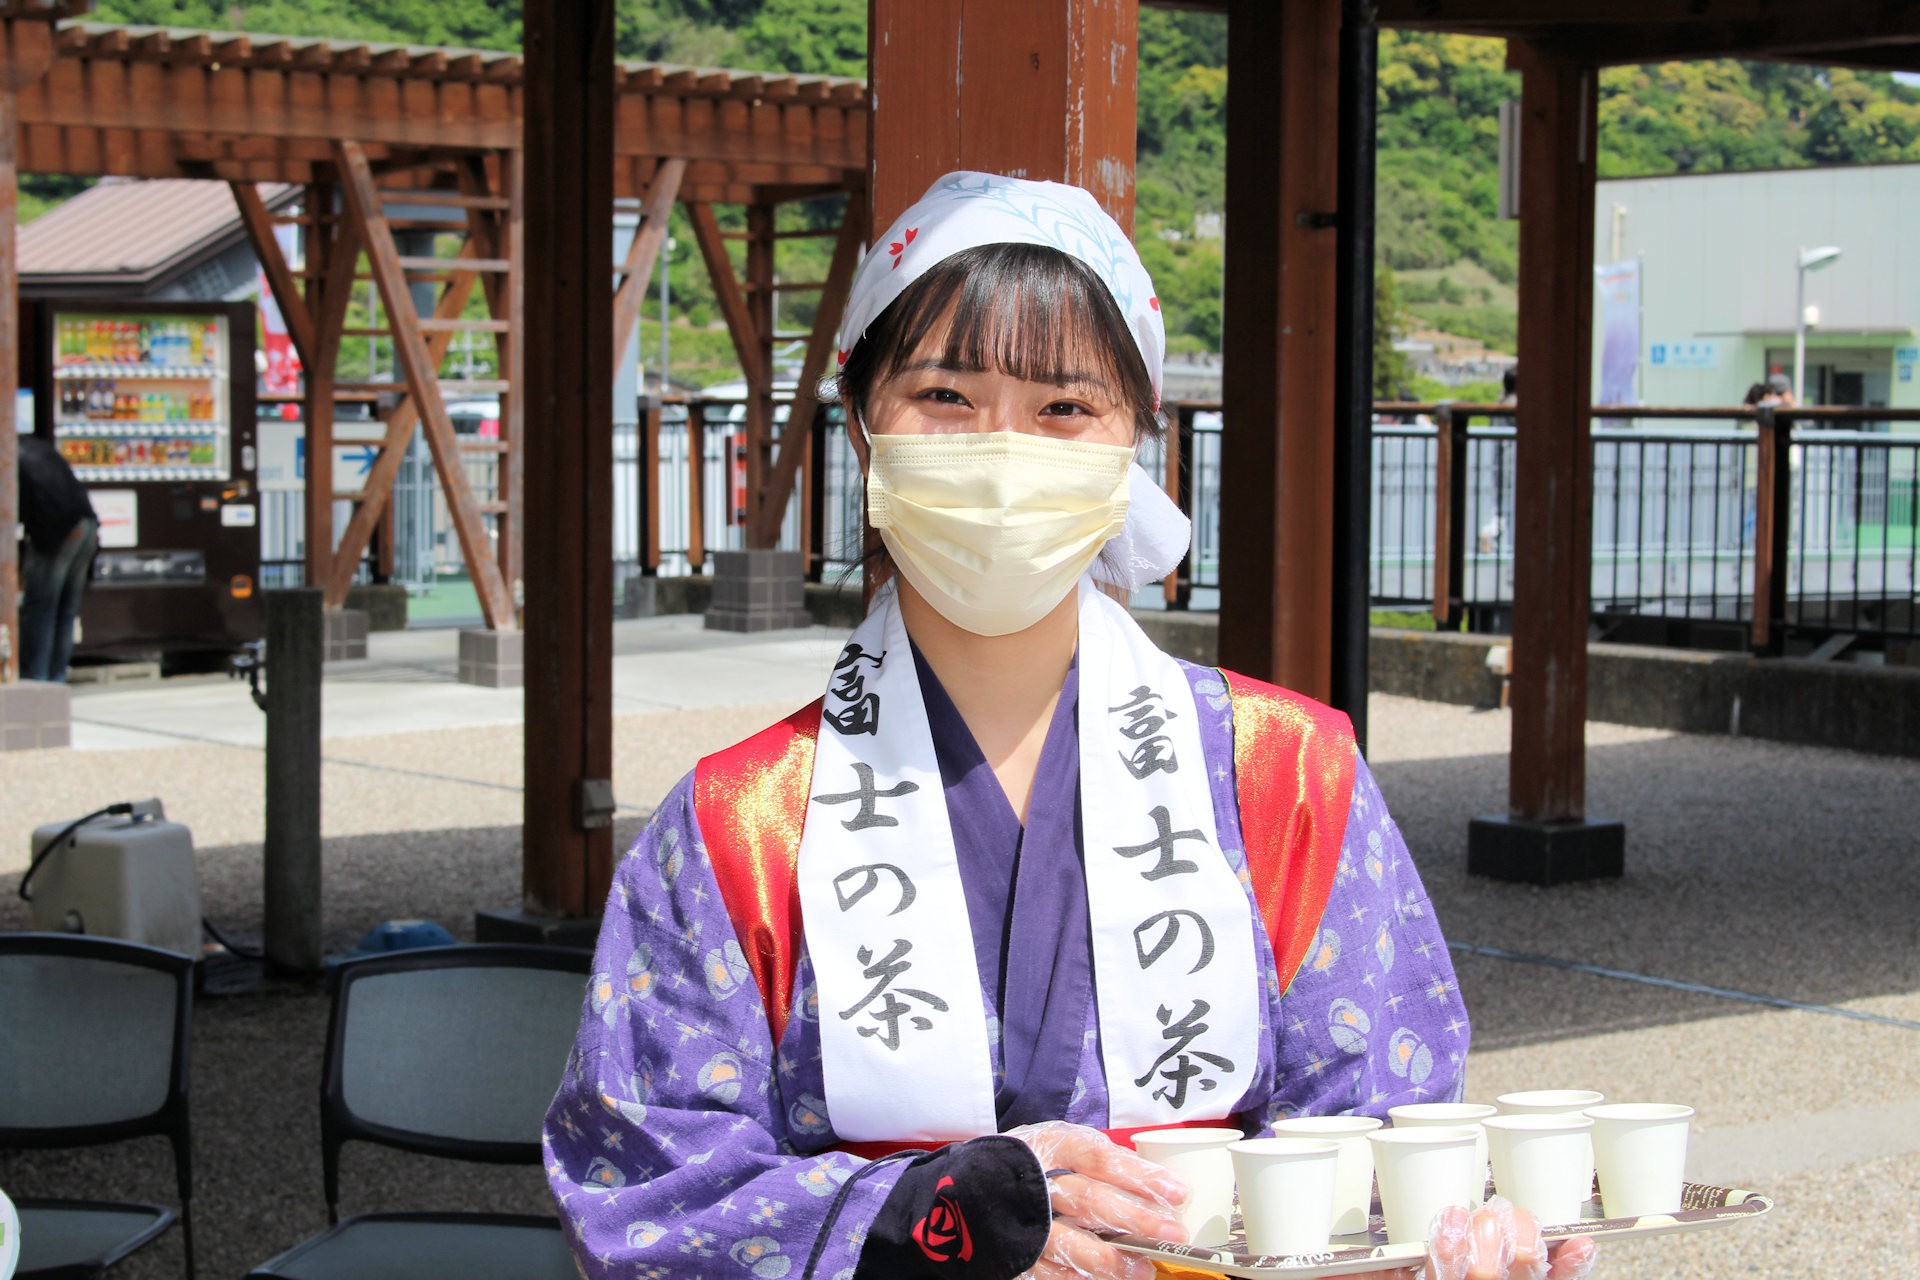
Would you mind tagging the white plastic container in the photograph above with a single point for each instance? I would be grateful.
(120, 877)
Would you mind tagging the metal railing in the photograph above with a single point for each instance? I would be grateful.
(1719, 526)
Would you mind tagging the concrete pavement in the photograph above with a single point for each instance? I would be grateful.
(1754, 871)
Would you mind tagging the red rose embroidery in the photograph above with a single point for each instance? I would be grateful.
(899, 246)
(942, 1234)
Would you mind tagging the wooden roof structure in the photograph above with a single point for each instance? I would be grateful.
(1045, 90)
(153, 102)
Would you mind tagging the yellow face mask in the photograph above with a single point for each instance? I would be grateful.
(995, 528)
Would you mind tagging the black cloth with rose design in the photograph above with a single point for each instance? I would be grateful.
(976, 1209)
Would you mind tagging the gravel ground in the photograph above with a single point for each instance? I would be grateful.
(1783, 871)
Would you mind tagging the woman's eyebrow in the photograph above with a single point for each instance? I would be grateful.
(1049, 377)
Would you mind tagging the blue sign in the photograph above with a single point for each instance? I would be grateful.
(1684, 355)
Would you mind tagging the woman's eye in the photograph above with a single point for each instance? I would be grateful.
(1065, 409)
(942, 395)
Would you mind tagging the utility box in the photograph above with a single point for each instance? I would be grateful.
(123, 876)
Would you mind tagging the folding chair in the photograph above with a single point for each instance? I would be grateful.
(94, 1036)
(446, 1051)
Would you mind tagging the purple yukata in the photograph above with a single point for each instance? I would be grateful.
(683, 1143)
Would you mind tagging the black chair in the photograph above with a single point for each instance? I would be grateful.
(94, 1036)
(447, 1051)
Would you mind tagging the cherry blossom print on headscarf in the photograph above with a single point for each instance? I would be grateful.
(965, 210)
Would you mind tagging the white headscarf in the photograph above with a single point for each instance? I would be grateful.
(965, 210)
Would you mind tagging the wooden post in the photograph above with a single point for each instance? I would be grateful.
(1545, 837)
(1006, 86)
(1350, 612)
(26, 50)
(761, 307)
(331, 262)
(1773, 505)
(1278, 451)
(294, 650)
(568, 383)
(9, 387)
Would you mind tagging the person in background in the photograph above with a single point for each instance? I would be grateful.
(1510, 385)
(62, 536)
(1779, 391)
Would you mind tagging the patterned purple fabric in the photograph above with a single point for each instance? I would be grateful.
(681, 1144)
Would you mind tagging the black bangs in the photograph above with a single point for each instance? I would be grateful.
(1025, 310)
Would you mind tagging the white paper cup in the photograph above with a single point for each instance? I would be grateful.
(1641, 1151)
(1422, 1170)
(1445, 1115)
(1557, 1102)
(1539, 1163)
(1353, 1178)
(1286, 1192)
(1200, 1156)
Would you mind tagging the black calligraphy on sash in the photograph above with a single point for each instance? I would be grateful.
(851, 706)
(883, 1001)
(1180, 1062)
(889, 1006)
(1184, 1062)
(1142, 717)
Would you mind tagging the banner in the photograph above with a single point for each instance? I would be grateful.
(282, 375)
(1617, 286)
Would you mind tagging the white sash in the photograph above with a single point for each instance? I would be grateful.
(903, 1031)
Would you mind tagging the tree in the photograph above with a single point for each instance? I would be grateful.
(812, 37)
(1392, 371)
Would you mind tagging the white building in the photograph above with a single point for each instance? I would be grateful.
(1719, 254)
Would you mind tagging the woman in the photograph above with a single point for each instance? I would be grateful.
(1018, 873)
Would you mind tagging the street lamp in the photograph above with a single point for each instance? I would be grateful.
(1810, 260)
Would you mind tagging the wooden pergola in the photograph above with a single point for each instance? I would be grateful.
(531, 154)
(394, 142)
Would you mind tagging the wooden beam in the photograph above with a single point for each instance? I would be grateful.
(567, 852)
(1276, 577)
(510, 347)
(1532, 15)
(759, 369)
(87, 92)
(1829, 30)
(1044, 90)
(643, 252)
(770, 501)
(337, 257)
(1553, 525)
(422, 375)
(378, 489)
(266, 247)
(726, 286)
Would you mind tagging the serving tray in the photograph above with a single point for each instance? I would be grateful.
(1702, 1206)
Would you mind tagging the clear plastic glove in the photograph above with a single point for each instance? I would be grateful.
(1097, 1185)
(1500, 1242)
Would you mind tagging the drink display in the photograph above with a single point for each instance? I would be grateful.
(141, 397)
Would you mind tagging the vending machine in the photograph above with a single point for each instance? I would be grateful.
(153, 406)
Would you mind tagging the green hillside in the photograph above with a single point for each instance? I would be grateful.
(1439, 95)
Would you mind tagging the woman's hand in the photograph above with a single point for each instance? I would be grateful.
(1499, 1242)
(1096, 1185)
